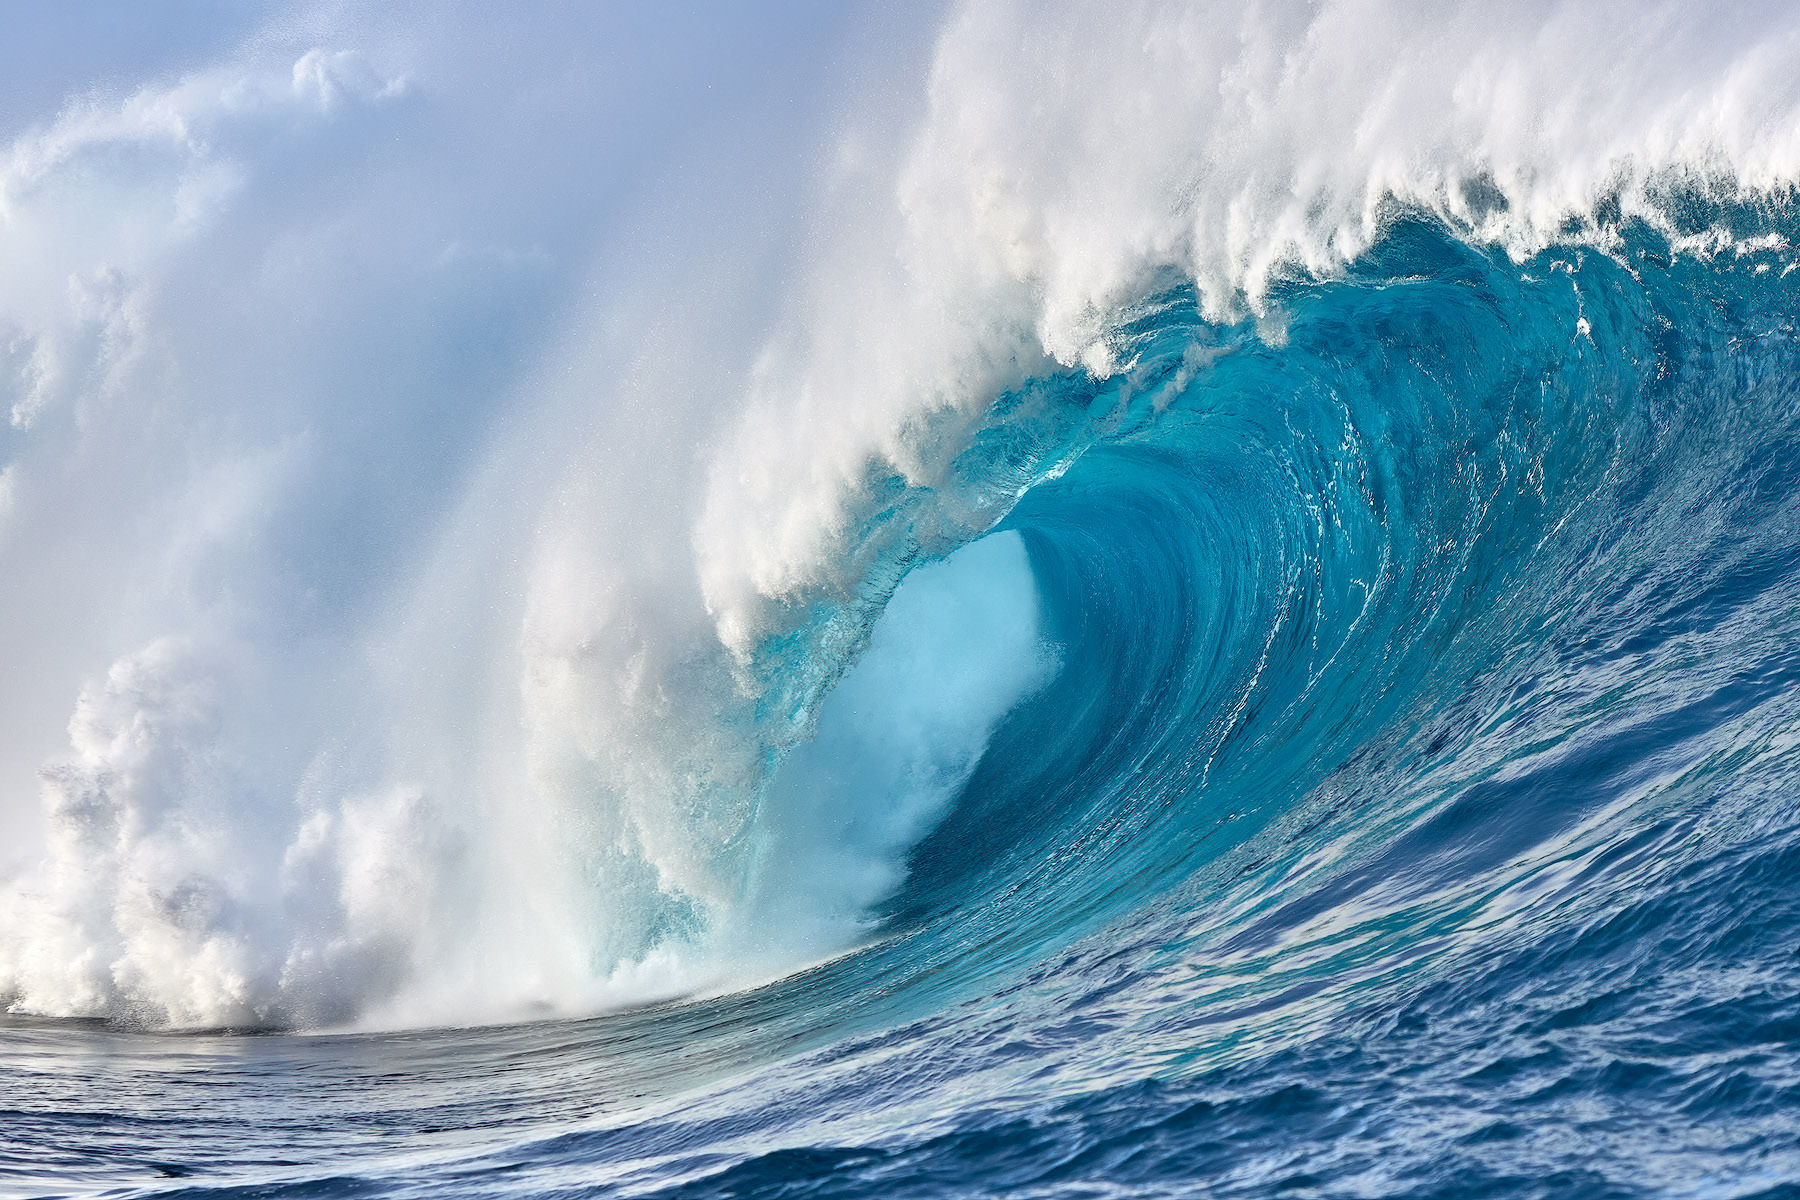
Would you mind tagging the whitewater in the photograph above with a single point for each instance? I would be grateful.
(1052, 600)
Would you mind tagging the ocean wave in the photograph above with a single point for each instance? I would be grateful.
(1342, 377)
(1207, 602)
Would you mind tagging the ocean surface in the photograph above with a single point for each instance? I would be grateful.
(1220, 617)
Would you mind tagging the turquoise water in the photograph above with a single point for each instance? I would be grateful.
(1398, 798)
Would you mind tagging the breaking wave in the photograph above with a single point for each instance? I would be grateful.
(1238, 562)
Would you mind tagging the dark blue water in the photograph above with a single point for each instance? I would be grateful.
(1415, 812)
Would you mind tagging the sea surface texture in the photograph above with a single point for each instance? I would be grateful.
(1041, 600)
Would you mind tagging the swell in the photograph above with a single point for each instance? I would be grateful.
(1368, 629)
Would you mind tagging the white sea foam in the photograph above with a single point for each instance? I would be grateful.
(424, 448)
(1074, 156)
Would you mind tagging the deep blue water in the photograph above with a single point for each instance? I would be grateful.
(1415, 810)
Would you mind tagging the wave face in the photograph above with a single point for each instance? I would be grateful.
(1234, 630)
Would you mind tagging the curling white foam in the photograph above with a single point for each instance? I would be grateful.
(422, 669)
(1075, 156)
